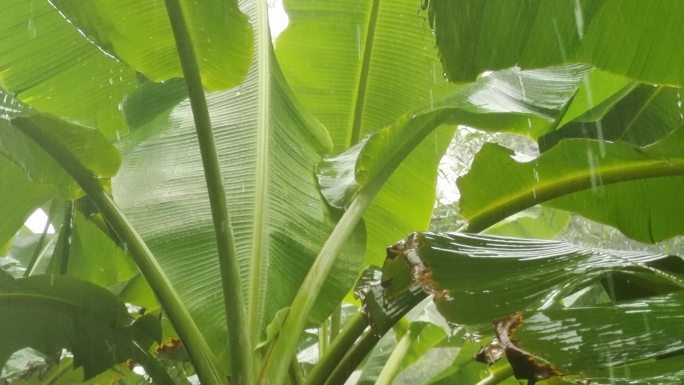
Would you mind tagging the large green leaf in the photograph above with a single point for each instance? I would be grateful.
(19, 197)
(49, 64)
(597, 95)
(475, 35)
(49, 313)
(268, 148)
(139, 34)
(584, 174)
(95, 258)
(344, 65)
(89, 146)
(475, 278)
(511, 100)
(592, 340)
(642, 117)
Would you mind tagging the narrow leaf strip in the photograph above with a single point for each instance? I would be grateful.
(199, 352)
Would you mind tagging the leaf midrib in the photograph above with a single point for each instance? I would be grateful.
(256, 298)
(364, 74)
(571, 183)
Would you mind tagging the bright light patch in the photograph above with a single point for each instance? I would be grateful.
(36, 222)
(277, 17)
(139, 370)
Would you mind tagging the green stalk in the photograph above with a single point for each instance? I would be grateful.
(200, 354)
(283, 348)
(60, 257)
(242, 369)
(497, 375)
(39, 246)
(353, 358)
(62, 369)
(323, 337)
(285, 344)
(393, 364)
(295, 373)
(335, 323)
(351, 332)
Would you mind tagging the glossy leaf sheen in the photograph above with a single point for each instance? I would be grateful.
(267, 148)
(628, 332)
(48, 64)
(584, 173)
(511, 100)
(476, 278)
(475, 35)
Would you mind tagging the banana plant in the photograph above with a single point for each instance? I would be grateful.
(215, 194)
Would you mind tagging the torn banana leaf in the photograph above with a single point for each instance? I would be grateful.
(635, 189)
(475, 279)
(640, 340)
(524, 102)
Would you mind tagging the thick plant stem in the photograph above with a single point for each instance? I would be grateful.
(496, 376)
(285, 344)
(323, 337)
(335, 322)
(353, 358)
(340, 345)
(200, 354)
(242, 369)
(393, 364)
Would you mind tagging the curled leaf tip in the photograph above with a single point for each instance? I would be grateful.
(525, 365)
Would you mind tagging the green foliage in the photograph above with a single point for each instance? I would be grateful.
(52, 312)
(317, 152)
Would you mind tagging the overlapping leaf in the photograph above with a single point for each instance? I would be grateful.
(49, 313)
(49, 64)
(511, 100)
(585, 175)
(644, 116)
(357, 66)
(90, 146)
(268, 148)
(476, 279)
(139, 34)
(19, 197)
(474, 36)
(590, 341)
